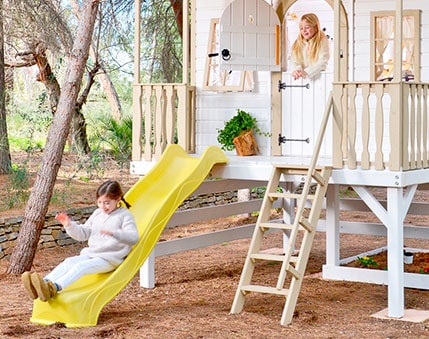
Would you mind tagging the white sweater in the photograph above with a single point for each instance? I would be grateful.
(111, 248)
(312, 69)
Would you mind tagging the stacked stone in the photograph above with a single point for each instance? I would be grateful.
(52, 235)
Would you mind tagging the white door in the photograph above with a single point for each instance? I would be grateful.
(302, 108)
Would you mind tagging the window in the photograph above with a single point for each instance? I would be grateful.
(383, 49)
(216, 79)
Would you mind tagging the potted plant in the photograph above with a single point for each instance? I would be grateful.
(238, 133)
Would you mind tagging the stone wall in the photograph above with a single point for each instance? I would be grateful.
(52, 235)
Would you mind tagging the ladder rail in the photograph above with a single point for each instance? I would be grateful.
(291, 300)
(255, 242)
(306, 189)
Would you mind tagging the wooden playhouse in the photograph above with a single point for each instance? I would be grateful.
(362, 123)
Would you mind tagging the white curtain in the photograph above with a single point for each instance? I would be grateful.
(384, 31)
(408, 45)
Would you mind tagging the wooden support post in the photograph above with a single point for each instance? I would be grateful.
(395, 243)
(333, 226)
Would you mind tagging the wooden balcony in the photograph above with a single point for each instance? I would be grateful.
(380, 125)
(377, 125)
(162, 114)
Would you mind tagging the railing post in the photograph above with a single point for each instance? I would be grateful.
(366, 120)
(398, 157)
(137, 119)
(181, 115)
(379, 127)
(424, 130)
(337, 127)
(191, 118)
(148, 122)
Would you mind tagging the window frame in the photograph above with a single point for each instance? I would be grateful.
(212, 67)
(415, 13)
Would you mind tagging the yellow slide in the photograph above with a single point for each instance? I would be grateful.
(154, 199)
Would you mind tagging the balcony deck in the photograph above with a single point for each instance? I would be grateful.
(259, 168)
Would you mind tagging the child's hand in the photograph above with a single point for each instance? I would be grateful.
(107, 232)
(297, 74)
(63, 218)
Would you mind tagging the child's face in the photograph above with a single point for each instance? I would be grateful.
(307, 31)
(108, 205)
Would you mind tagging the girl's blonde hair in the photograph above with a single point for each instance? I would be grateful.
(315, 42)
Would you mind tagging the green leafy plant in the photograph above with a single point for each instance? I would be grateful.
(238, 124)
(367, 261)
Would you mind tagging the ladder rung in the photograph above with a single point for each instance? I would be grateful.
(274, 225)
(306, 224)
(272, 257)
(264, 289)
(287, 195)
(266, 256)
(319, 178)
(278, 226)
(294, 272)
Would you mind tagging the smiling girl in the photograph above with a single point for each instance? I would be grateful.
(110, 231)
(310, 51)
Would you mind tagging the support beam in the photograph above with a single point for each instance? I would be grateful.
(398, 204)
(333, 226)
(395, 244)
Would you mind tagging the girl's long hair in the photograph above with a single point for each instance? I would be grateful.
(315, 42)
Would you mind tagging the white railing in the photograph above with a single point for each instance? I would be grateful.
(380, 125)
(163, 114)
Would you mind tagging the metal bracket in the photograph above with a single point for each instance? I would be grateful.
(282, 85)
(283, 140)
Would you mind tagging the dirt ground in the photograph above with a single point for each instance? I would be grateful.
(195, 289)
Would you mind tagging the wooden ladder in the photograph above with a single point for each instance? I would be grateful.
(305, 222)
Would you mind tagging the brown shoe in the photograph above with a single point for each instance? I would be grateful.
(26, 281)
(52, 289)
(41, 286)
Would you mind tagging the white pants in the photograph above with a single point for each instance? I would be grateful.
(71, 269)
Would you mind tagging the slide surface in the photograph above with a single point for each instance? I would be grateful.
(154, 199)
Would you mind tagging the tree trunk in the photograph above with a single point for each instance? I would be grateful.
(5, 162)
(38, 202)
(79, 137)
(112, 95)
(46, 76)
(178, 14)
(103, 77)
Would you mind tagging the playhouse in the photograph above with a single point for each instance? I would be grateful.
(370, 105)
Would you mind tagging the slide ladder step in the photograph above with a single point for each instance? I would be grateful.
(274, 225)
(272, 257)
(264, 289)
(277, 195)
